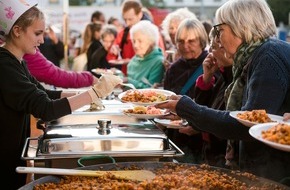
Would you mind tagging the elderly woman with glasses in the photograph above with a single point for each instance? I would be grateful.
(261, 80)
(209, 90)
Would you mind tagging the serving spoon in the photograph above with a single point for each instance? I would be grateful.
(138, 175)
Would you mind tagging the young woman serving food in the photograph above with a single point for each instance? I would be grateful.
(22, 28)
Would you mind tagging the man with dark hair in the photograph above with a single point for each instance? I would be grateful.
(132, 12)
(98, 16)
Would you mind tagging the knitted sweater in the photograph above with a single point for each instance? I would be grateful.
(150, 67)
(267, 87)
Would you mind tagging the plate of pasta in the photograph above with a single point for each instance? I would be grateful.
(276, 135)
(145, 96)
(144, 112)
(254, 117)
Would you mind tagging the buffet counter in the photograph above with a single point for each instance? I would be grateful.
(106, 132)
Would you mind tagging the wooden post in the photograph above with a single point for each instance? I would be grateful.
(66, 32)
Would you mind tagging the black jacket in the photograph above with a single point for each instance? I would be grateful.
(20, 96)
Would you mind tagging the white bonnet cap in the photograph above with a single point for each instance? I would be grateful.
(10, 11)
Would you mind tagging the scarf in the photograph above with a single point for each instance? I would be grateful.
(234, 92)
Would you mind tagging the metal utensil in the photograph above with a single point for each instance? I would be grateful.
(184, 122)
(146, 81)
(128, 85)
(139, 175)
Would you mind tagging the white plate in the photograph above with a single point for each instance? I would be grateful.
(119, 61)
(256, 132)
(146, 116)
(168, 123)
(107, 71)
(274, 118)
(159, 91)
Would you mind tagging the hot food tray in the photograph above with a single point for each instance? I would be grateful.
(117, 140)
(181, 176)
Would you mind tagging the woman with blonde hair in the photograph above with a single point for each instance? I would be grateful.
(191, 40)
(21, 95)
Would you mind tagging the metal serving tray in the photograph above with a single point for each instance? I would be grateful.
(120, 140)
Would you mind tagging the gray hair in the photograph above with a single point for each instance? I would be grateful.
(193, 26)
(148, 29)
(179, 14)
(108, 29)
(248, 19)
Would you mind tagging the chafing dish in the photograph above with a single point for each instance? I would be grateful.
(62, 144)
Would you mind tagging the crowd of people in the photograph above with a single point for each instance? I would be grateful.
(214, 68)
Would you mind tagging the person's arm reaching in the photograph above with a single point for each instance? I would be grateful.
(45, 71)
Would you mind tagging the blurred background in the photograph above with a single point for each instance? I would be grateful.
(68, 18)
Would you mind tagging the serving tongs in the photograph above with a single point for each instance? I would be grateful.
(137, 175)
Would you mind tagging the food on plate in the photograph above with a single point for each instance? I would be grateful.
(137, 110)
(279, 133)
(257, 116)
(151, 110)
(106, 71)
(103, 71)
(146, 96)
(95, 107)
(170, 176)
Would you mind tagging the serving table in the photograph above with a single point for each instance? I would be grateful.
(80, 134)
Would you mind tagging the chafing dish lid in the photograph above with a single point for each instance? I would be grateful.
(80, 139)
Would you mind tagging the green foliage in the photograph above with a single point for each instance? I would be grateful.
(80, 2)
(153, 3)
(281, 10)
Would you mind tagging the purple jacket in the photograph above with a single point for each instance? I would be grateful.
(45, 71)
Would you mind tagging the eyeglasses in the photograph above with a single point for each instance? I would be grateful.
(217, 30)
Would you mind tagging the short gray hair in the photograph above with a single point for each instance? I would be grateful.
(147, 28)
(179, 14)
(249, 20)
(108, 29)
(195, 26)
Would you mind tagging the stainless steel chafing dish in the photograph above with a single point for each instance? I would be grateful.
(132, 140)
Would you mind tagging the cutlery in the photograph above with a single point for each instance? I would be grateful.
(146, 81)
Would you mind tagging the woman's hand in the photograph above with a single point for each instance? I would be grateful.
(115, 49)
(170, 104)
(209, 68)
(286, 116)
